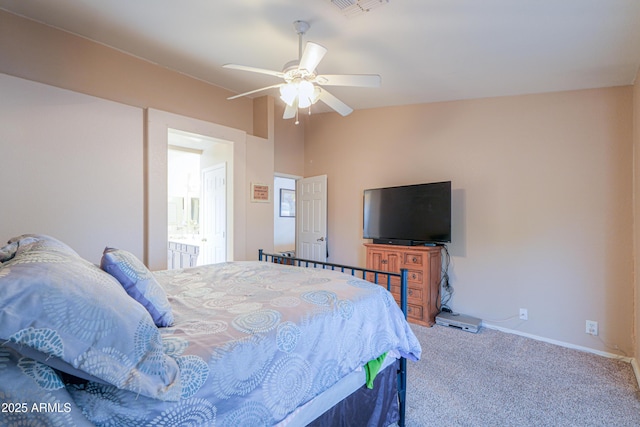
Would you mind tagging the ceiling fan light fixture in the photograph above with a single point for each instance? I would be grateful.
(289, 93)
(304, 103)
(305, 94)
(302, 91)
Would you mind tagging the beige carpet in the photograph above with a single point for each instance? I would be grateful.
(497, 379)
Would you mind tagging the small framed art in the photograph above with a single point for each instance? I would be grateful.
(260, 193)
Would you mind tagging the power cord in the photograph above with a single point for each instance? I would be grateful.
(445, 290)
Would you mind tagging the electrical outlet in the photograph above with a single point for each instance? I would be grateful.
(524, 314)
(592, 327)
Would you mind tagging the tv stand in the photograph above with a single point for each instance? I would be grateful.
(425, 271)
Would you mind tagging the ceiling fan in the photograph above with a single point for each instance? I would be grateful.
(302, 86)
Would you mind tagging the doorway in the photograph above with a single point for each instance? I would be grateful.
(284, 215)
(196, 199)
(300, 217)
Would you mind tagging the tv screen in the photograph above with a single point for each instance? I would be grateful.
(419, 213)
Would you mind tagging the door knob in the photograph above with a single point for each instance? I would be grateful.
(320, 239)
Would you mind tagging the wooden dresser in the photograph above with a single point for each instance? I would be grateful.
(425, 268)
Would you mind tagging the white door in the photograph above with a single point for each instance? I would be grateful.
(311, 218)
(214, 214)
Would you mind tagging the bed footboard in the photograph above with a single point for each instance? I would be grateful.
(375, 276)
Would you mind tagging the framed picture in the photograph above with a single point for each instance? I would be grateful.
(260, 193)
(287, 202)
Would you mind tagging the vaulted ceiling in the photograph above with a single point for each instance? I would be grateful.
(425, 50)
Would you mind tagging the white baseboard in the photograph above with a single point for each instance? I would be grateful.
(632, 361)
(636, 369)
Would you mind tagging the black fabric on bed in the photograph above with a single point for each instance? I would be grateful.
(377, 407)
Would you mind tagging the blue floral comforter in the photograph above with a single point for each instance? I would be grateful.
(253, 341)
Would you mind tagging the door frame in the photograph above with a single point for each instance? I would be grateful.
(295, 227)
(155, 157)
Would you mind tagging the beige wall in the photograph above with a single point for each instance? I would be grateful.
(289, 149)
(70, 167)
(636, 199)
(542, 201)
(260, 155)
(44, 54)
(39, 53)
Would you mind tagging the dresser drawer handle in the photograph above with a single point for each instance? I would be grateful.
(410, 291)
(415, 259)
(414, 276)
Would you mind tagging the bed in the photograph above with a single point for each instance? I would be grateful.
(239, 343)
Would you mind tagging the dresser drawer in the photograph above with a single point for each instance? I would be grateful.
(415, 311)
(413, 294)
(414, 276)
(413, 259)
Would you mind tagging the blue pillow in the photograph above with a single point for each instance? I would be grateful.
(139, 283)
(63, 311)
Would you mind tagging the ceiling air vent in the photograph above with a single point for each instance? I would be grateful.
(352, 8)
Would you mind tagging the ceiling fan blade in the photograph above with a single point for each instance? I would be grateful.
(254, 70)
(359, 80)
(255, 91)
(333, 102)
(290, 111)
(311, 57)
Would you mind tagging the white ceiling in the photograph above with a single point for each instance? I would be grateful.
(425, 50)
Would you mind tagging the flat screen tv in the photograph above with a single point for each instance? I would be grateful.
(408, 215)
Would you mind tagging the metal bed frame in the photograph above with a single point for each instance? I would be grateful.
(366, 274)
